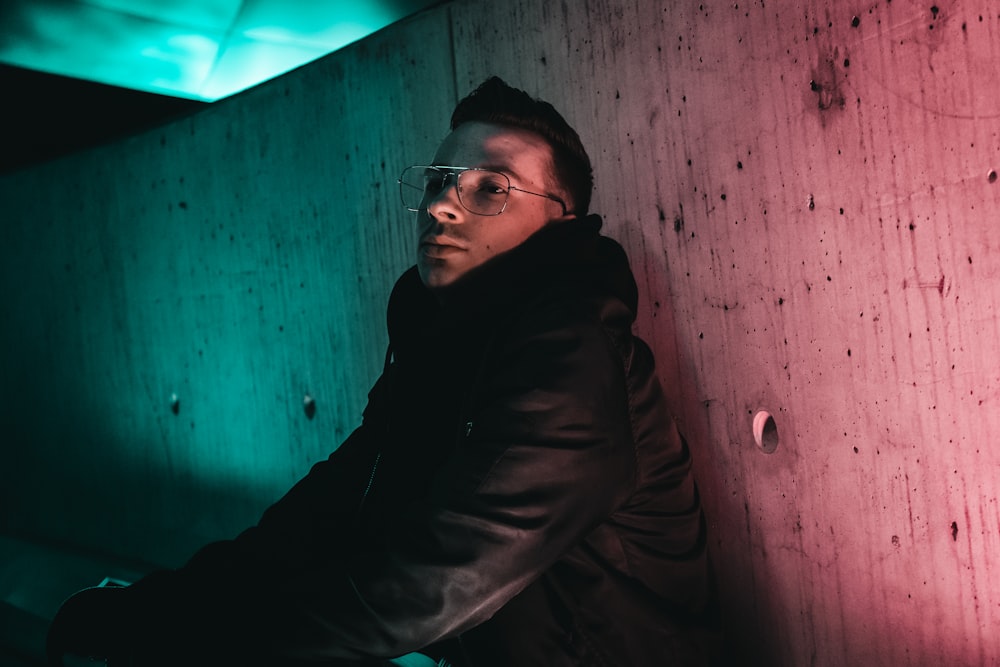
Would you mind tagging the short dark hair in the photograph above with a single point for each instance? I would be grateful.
(496, 102)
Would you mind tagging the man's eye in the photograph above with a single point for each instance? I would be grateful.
(492, 188)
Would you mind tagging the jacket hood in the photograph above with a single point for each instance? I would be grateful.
(570, 257)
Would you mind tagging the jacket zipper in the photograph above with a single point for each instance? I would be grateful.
(371, 480)
(389, 356)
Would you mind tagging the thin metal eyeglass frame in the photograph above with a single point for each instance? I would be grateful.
(448, 170)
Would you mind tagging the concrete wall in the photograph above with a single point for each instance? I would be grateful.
(808, 193)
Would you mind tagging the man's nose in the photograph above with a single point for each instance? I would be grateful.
(445, 203)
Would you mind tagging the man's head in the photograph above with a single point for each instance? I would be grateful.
(497, 103)
(504, 148)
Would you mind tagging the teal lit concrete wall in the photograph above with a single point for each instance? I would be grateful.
(808, 193)
(172, 300)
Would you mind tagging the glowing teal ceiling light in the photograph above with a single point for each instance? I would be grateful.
(203, 50)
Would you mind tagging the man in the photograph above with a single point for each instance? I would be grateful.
(516, 493)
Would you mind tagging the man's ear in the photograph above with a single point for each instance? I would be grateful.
(569, 215)
(567, 205)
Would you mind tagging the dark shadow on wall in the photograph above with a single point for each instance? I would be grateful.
(74, 484)
(46, 116)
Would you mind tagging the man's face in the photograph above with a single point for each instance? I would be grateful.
(451, 239)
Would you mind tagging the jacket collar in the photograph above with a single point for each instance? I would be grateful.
(570, 255)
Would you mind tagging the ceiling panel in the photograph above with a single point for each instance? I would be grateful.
(97, 44)
(198, 49)
(327, 24)
(212, 15)
(246, 62)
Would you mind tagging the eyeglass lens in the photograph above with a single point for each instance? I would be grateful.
(482, 191)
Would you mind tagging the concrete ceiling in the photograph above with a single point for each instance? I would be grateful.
(196, 49)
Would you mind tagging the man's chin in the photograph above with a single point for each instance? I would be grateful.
(437, 276)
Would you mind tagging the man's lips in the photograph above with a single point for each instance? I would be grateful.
(439, 247)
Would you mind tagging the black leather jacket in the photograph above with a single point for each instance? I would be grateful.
(516, 494)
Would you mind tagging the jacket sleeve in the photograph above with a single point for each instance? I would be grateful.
(548, 456)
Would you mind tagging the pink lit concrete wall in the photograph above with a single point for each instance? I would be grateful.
(810, 192)
(809, 195)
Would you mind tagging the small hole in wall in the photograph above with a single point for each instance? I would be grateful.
(765, 431)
